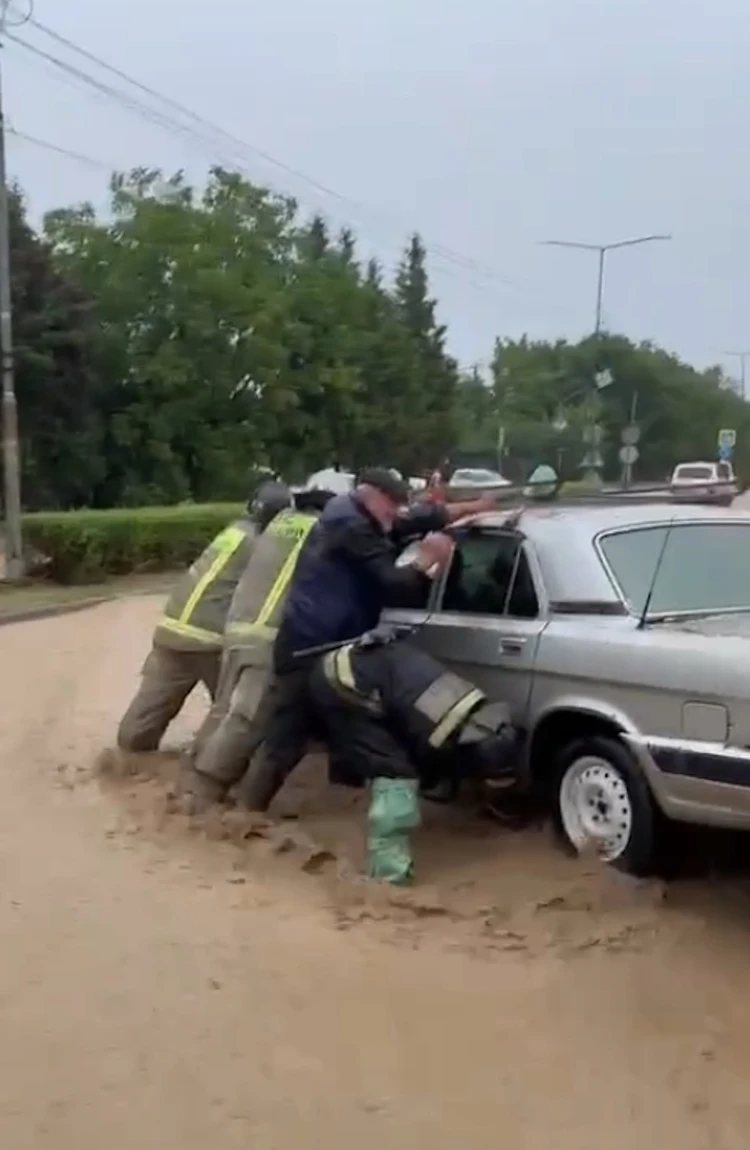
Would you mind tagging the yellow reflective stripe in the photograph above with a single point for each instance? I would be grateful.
(226, 544)
(343, 662)
(188, 630)
(281, 583)
(455, 716)
(291, 523)
(337, 668)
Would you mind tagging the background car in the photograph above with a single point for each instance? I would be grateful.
(619, 636)
(477, 477)
(339, 482)
(711, 482)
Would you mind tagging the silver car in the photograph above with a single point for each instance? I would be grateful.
(619, 635)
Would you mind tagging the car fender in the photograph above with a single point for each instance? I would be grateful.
(587, 705)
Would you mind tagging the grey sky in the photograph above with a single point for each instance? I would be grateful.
(487, 127)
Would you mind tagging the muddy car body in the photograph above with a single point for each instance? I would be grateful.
(619, 635)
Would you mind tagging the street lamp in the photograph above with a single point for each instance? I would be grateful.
(602, 250)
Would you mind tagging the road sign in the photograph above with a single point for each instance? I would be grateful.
(631, 434)
(725, 451)
(629, 454)
(603, 379)
(727, 437)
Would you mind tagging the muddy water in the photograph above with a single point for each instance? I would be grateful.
(235, 985)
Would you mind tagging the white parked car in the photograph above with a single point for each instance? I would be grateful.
(477, 477)
(711, 482)
(339, 482)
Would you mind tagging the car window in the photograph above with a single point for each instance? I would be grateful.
(694, 471)
(693, 566)
(490, 575)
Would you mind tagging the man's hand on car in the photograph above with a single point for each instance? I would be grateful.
(486, 502)
(435, 552)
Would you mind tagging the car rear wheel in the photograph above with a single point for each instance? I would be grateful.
(603, 803)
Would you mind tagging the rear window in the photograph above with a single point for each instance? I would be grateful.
(693, 567)
(694, 471)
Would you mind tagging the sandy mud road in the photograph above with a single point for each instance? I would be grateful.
(159, 988)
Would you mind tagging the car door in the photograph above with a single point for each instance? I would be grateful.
(488, 614)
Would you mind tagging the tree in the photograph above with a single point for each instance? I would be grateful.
(190, 296)
(434, 379)
(170, 348)
(59, 398)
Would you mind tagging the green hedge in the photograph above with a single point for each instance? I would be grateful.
(87, 546)
(586, 486)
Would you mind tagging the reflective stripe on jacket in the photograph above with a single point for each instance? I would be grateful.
(255, 610)
(196, 611)
(413, 693)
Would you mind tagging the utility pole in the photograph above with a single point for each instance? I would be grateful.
(742, 357)
(601, 250)
(14, 566)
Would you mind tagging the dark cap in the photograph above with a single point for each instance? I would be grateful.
(386, 482)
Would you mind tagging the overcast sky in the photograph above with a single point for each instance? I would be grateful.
(486, 126)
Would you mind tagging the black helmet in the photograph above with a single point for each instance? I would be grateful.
(270, 498)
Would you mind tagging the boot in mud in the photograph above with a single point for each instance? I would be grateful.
(393, 814)
(198, 793)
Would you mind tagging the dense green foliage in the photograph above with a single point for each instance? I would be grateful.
(168, 349)
(84, 546)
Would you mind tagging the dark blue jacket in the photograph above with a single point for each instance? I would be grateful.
(346, 575)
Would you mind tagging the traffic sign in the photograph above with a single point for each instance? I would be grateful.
(725, 451)
(603, 379)
(631, 434)
(727, 437)
(629, 454)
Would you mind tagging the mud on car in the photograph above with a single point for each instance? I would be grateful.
(619, 637)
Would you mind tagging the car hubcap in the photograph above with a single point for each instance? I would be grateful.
(595, 807)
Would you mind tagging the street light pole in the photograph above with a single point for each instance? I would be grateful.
(14, 566)
(602, 250)
(742, 357)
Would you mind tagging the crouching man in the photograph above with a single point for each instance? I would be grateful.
(387, 708)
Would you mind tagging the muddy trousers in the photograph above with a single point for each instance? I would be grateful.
(167, 678)
(224, 753)
(371, 750)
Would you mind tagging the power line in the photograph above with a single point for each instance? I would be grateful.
(162, 120)
(79, 156)
(465, 262)
(77, 75)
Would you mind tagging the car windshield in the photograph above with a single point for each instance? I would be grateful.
(694, 567)
(694, 471)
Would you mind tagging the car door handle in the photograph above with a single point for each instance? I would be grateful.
(512, 645)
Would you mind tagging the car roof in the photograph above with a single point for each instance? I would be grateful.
(710, 463)
(563, 538)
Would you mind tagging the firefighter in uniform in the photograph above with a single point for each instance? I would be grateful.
(235, 726)
(389, 709)
(188, 638)
(345, 575)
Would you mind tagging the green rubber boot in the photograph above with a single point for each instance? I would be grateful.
(393, 813)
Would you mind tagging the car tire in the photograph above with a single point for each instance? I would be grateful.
(602, 799)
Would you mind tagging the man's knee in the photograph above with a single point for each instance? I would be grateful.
(166, 681)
